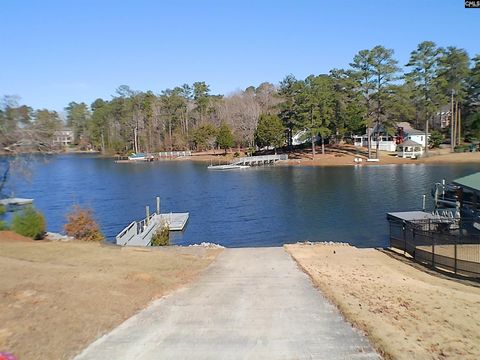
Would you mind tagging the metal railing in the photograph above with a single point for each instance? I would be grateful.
(453, 246)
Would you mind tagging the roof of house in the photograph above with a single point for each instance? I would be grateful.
(405, 125)
(415, 132)
(409, 143)
(407, 128)
(471, 181)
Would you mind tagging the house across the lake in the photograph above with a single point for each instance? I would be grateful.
(378, 133)
(404, 132)
(63, 137)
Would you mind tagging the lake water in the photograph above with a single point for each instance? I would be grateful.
(261, 206)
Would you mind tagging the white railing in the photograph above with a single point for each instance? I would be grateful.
(127, 234)
(174, 153)
(257, 159)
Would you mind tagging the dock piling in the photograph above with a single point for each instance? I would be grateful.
(147, 210)
(158, 205)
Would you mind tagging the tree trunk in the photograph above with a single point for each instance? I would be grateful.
(323, 145)
(313, 147)
(170, 133)
(135, 140)
(426, 137)
(369, 140)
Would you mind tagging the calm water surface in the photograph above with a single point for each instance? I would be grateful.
(254, 207)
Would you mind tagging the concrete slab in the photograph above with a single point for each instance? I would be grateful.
(250, 304)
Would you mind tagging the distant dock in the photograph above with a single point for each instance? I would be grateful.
(149, 157)
(259, 160)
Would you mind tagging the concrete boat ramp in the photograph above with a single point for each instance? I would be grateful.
(250, 304)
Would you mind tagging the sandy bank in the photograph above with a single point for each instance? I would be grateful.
(406, 312)
(57, 297)
(344, 155)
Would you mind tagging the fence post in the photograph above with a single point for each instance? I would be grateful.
(158, 205)
(414, 244)
(147, 210)
(455, 248)
(433, 250)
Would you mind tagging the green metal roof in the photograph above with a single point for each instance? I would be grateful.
(471, 181)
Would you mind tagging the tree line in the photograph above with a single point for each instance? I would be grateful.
(374, 90)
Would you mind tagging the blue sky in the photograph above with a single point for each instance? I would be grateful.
(54, 52)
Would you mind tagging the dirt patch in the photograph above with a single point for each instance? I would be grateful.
(10, 236)
(56, 297)
(407, 313)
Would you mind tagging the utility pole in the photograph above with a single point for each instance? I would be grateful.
(455, 122)
(452, 139)
(459, 125)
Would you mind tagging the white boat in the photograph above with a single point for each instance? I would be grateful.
(15, 202)
(227, 167)
(140, 157)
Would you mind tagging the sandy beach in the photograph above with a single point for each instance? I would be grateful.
(406, 312)
(344, 155)
(56, 298)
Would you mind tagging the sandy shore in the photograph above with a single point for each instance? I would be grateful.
(344, 156)
(406, 312)
(56, 297)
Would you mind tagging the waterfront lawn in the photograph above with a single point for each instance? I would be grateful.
(406, 312)
(56, 297)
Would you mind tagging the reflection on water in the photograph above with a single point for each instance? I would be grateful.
(255, 207)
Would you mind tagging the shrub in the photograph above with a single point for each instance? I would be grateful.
(435, 139)
(236, 154)
(29, 222)
(161, 237)
(82, 226)
(461, 148)
(3, 225)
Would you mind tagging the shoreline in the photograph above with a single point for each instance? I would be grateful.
(335, 156)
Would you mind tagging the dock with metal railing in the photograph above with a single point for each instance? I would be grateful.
(139, 233)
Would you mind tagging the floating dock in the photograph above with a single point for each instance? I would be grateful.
(139, 233)
(12, 204)
(175, 221)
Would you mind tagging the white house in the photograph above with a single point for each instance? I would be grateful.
(417, 136)
(63, 137)
(385, 141)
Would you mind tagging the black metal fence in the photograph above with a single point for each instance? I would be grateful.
(451, 246)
